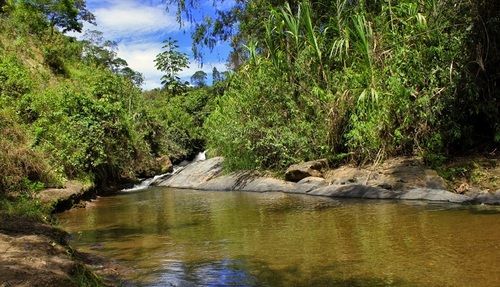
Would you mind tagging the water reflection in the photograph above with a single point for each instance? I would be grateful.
(195, 238)
(224, 273)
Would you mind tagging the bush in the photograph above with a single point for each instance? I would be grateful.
(263, 122)
(55, 61)
(15, 80)
(21, 167)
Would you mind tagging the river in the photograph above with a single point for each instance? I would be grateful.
(172, 237)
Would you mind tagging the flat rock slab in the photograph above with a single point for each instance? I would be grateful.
(395, 174)
(64, 198)
(209, 175)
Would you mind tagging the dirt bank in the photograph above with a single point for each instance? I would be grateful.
(35, 253)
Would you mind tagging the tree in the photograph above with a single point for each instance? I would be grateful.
(216, 76)
(238, 24)
(65, 14)
(136, 77)
(103, 53)
(171, 61)
(199, 79)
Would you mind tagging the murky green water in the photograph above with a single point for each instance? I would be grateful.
(175, 237)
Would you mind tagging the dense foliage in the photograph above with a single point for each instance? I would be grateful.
(361, 80)
(68, 109)
(368, 79)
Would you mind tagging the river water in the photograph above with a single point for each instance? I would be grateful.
(172, 237)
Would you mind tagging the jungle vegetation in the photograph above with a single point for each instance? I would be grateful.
(351, 80)
(72, 110)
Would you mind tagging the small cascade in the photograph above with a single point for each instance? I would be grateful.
(200, 156)
(177, 168)
(146, 183)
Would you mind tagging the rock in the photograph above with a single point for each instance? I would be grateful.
(355, 191)
(164, 164)
(484, 197)
(299, 171)
(308, 184)
(385, 185)
(193, 175)
(434, 195)
(208, 175)
(61, 199)
(433, 180)
(316, 181)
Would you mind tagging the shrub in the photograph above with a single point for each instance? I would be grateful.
(263, 122)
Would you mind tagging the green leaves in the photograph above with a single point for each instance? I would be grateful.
(66, 14)
(261, 122)
(171, 61)
(14, 79)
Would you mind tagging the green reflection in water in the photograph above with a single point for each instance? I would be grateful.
(199, 238)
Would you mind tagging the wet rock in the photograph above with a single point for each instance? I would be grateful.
(299, 171)
(484, 197)
(434, 195)
(193, 175)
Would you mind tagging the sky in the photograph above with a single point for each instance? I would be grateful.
(140, 27)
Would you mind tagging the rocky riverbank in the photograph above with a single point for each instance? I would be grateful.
(400, 178)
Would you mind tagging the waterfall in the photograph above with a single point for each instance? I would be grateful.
(177, 168)
(200, 156)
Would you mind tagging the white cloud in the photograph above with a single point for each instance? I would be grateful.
(140, 57)
(130, 19)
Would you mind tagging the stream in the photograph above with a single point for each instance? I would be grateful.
(172, 237)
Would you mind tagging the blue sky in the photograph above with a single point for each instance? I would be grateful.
(140, 27)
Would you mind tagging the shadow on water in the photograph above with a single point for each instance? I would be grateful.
(325, 276)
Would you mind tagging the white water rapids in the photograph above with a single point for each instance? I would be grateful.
(177, 168)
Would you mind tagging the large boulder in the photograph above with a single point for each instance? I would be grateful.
(193, 175)
(297, 172)
(209, 175)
